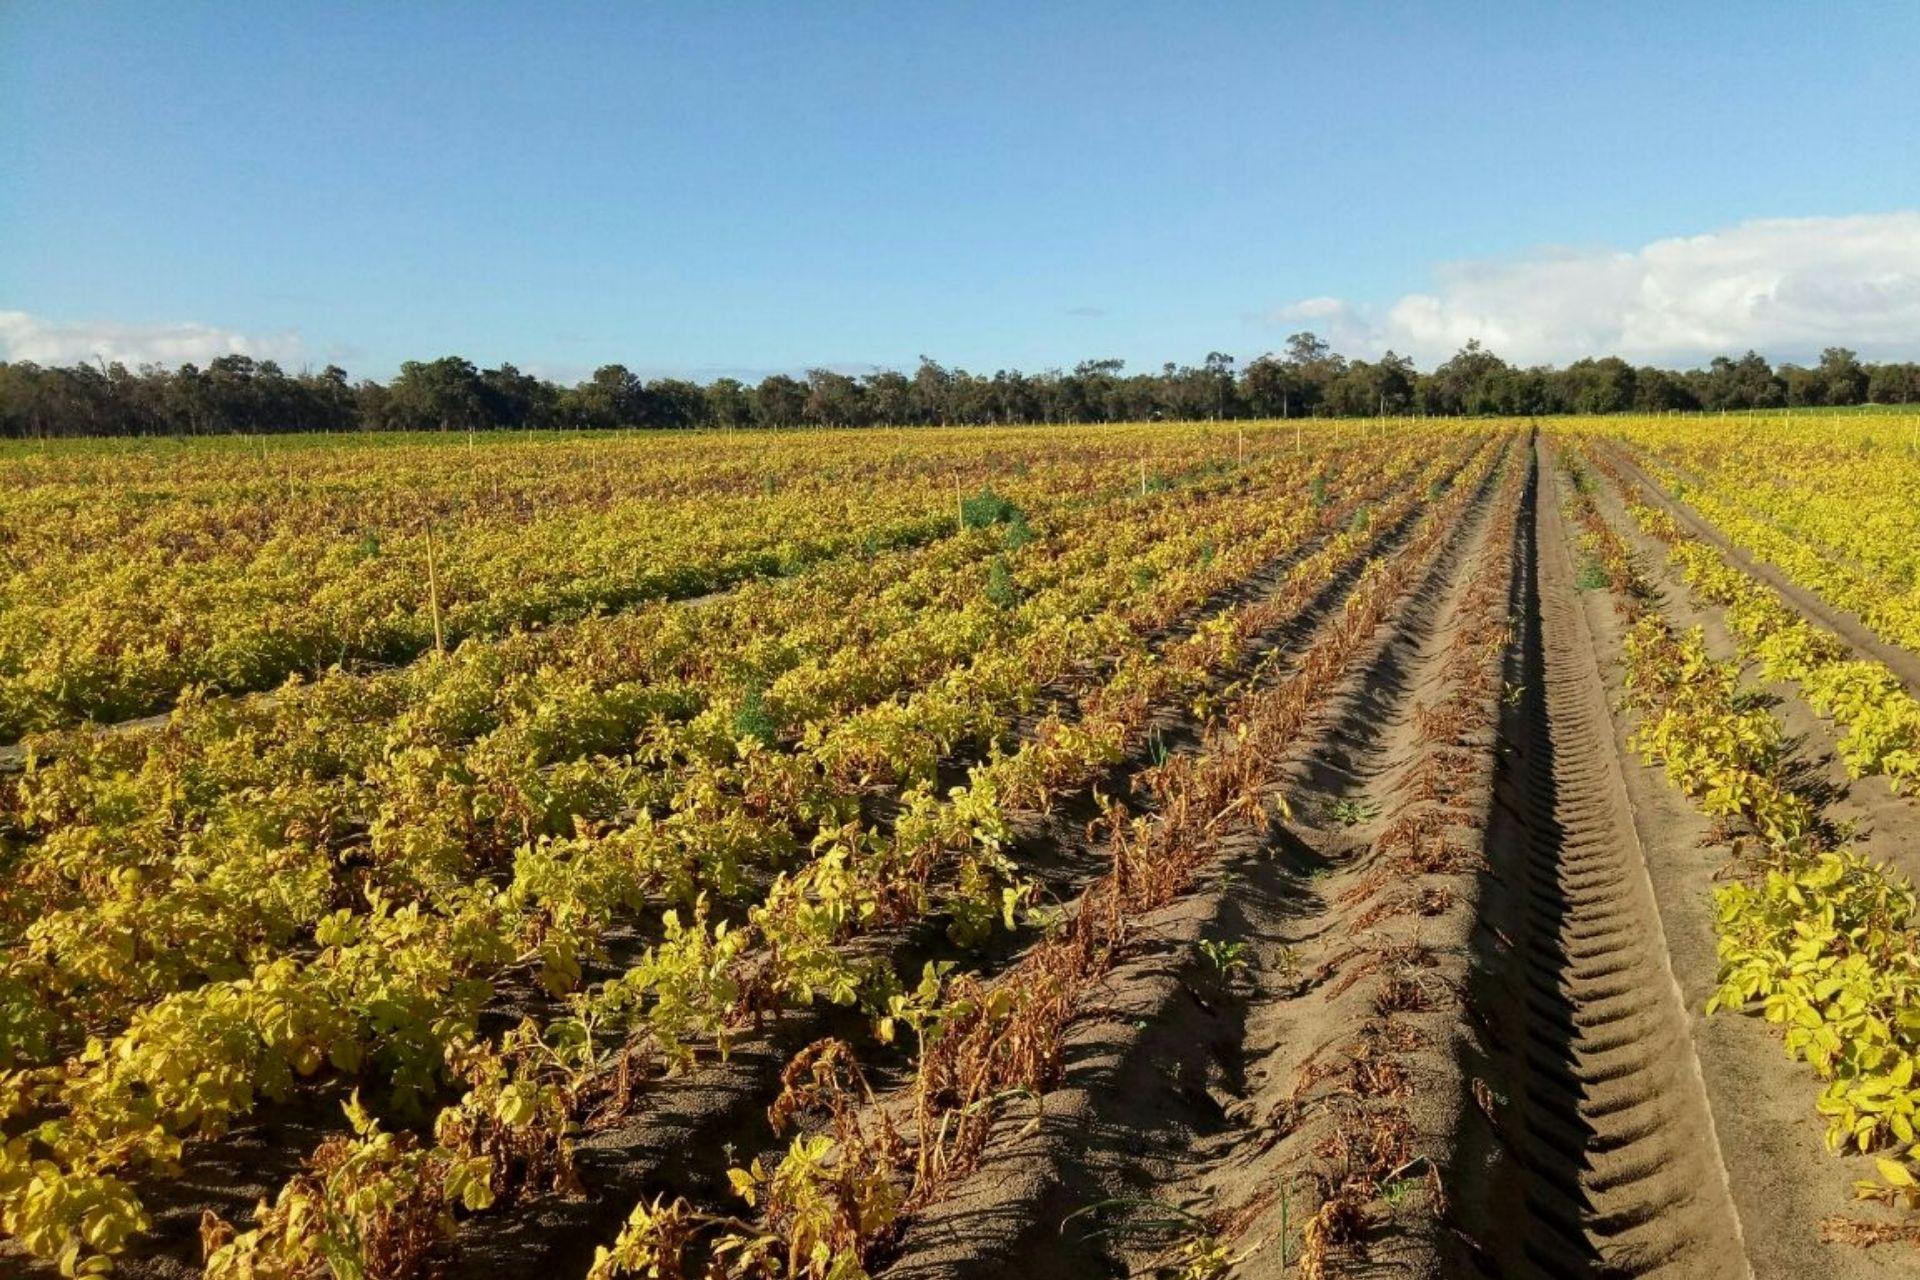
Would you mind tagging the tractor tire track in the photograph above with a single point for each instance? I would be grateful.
(1611, 1162)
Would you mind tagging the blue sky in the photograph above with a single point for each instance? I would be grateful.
(730, 187)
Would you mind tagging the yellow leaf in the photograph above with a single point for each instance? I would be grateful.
(1895, 1173)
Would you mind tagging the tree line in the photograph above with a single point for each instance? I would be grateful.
(237, 393)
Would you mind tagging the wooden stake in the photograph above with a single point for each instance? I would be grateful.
(1143, 477)
(433, 598)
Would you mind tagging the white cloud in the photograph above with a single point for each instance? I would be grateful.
(1783, 286)
(29, 337)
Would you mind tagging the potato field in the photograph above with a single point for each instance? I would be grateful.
(1316, 848)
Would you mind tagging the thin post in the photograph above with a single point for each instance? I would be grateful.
(433, 597)
(1143, 477)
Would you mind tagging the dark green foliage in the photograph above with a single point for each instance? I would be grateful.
(236, 393)
(1018, 534)
(753, 720)
(988, 508)
(1001, 589)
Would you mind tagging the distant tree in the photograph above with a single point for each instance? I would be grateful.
(327, 401)
(1598, 386)
(1842, 379)
(514, 400)
(1270, 386)
(1474, 381)
(1096, 390)
(1894, 384)
(833, 399)
(932, 392)
(1395, 380)
(779, 401)
(1801, 386)
(675, 404)
(444, 394)
(728, 404)
(889, 398)
(1746, 383)
(237, 392)
(613, 397)
(1306, 348)
(1315, 367)
(1219, 370)
(1657, 391)
(1361, 389)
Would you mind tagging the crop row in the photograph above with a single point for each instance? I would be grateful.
(1837, 519)
(842, 1190)
(1880, 718)
(124, 620)
(796, 946)
(158, 861)
(1819, 940)
(421, 956)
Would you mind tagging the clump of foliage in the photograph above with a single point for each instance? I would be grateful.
(1001, 588)
(988, 508)
(1018, 533)
(753, 720)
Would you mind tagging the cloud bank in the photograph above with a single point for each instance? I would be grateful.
(29, 337)
(1783, 286)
